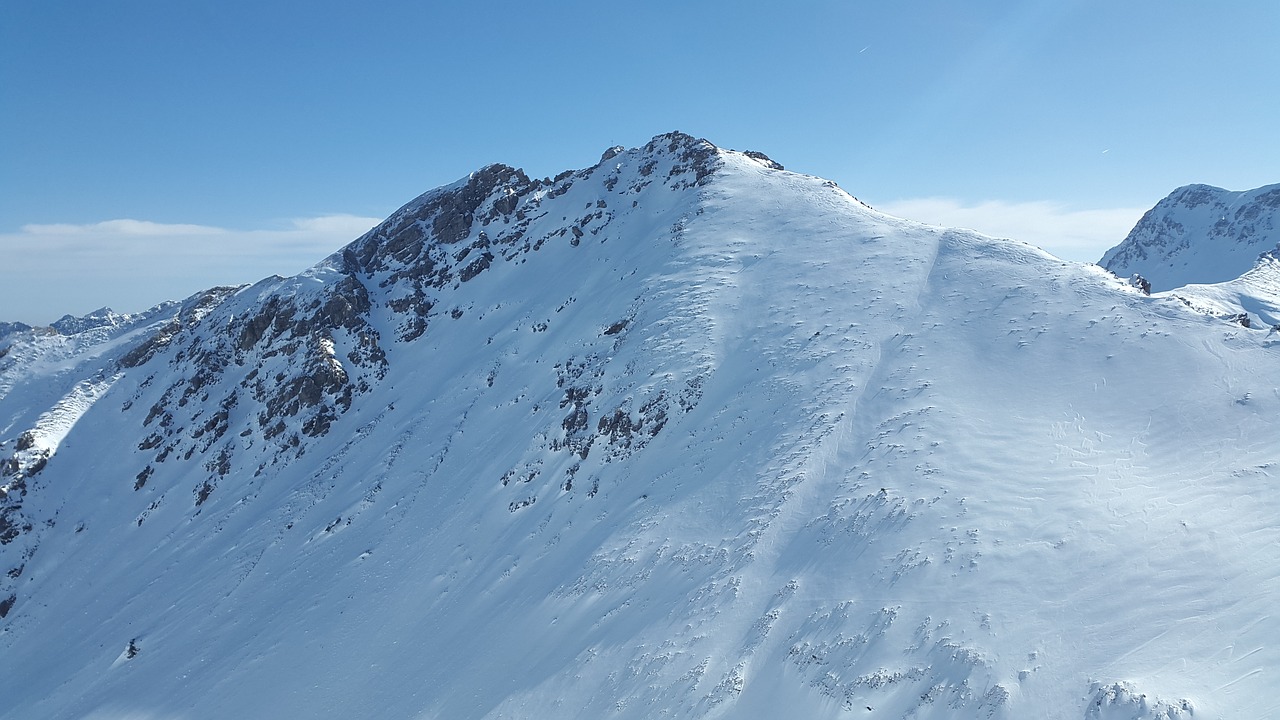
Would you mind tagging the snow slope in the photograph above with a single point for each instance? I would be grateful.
(1250, 299)
(683, 435)
(50, 376)
(1199, 234)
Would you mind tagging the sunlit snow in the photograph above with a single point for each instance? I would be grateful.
(737, 448)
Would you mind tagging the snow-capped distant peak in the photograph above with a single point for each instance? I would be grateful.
(8, 328)
(102, 317)
(1199, 234)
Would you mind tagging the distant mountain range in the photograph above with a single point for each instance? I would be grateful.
(683, 434)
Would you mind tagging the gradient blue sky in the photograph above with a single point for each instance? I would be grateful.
(149, 149)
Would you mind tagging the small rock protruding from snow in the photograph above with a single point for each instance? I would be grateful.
(1122, 700)
(611, 153)
(763, 159)
(1140, 283)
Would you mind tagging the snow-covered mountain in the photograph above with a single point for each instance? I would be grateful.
(7, 328)
(682, 434)
(1199, 234)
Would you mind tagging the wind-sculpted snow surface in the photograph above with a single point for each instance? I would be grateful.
(1251, 300)
(683, 435)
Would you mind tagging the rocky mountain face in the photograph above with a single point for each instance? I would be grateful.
(680, 434)
(1199, 234)
(7, 328)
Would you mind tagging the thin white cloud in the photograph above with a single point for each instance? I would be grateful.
(335, 224)
(1081, 235)
(125, 227)
(129, 265)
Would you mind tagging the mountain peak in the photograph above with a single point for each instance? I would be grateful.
(1199, 234)
(8, 328)
(1196, 194)
(102, 317)
(452, 234)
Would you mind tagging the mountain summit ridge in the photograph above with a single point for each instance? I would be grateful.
(682, 433)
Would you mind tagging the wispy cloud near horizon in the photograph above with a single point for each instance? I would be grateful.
(1082, 235)
(129, 265)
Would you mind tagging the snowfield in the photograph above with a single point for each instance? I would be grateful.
(680, 435)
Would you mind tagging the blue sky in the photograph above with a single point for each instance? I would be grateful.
(150, 149)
